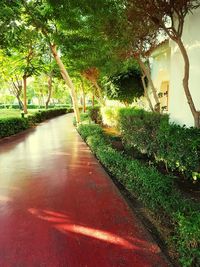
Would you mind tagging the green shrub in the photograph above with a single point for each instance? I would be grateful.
(9, 106)
(84, 117)
(125, 86)
(10, 126)
(178, 147)
(43, 115)
(188, 238)
(156, 191)
(140, 128)
(89, 130)
(95, 114)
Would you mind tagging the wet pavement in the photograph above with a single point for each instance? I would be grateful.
(58, 207)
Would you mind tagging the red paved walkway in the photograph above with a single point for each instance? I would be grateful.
(58, 208)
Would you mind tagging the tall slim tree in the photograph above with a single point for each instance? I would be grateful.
(92, 75)
(44, 19)
(134, 38)
(170, 17)
(16, 90)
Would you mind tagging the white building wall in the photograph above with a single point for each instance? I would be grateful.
(178, 107)
(160, 71)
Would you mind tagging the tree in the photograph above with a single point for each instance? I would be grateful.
(51, 71)
(10, 75)
(170, 17)
(125, 86)
(59, 93)
(16, 90)
(50, 81)
(23, 59)
(88, 50)
(9, 16)
(135, 41)
(46, 20)
(119, 35)
(92, 75)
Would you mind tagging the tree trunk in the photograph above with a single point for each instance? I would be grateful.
(147, 73)
(25, 91)
(195, 113)
(21, 106)
(68, 81)
(49, 90)
(146, 93)
(41, 98)
(16, 91)
(99, 94)
(93, 97)
(83, 90)
(126, 104)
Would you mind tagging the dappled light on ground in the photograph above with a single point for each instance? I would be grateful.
(62, 223)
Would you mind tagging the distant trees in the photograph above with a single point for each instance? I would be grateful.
(45, 19)
(16, 90)
(10, 75)
(92, 75)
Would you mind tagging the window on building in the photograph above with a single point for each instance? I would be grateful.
(163, 95)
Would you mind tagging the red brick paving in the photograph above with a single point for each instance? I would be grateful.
(58, 207)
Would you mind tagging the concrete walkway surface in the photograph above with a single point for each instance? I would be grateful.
(58, 207)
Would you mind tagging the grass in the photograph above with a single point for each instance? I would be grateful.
(9, 113)
(13, 113)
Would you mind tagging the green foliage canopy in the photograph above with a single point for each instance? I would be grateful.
(125, 86)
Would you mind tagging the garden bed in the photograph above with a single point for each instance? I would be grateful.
(189, 188)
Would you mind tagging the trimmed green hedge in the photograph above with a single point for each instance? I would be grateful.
(10, 126)
(178, 147)
(94, 114)
(87, 129)
(155, 190)
(32, 106)
(43, 115)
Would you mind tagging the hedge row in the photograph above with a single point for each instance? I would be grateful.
(31, 106)
(178, 147)
(155, 190)
(43, 115)
(10, 126)
(95, 114)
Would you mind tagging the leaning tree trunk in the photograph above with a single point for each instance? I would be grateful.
(146, 92)
(68, 81)
(147, 73)
(195, 113)
(93, 98)
(49, 90)
(25, 93)
(83, 90)
(99, 93)
(21, 106)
